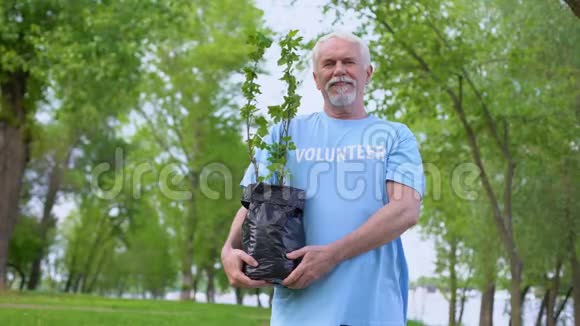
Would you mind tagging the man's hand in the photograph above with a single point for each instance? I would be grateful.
(233, 261)
(317, 261)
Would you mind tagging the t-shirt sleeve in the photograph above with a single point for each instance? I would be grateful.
(404, 164)
(261, 159)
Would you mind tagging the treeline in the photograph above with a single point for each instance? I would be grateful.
(121, 114)
(491, 89)
(126, 112)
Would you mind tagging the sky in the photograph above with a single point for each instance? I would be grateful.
(307, 17)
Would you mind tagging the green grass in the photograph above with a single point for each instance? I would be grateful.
(414, 323)
(32, 308)
(59, 309)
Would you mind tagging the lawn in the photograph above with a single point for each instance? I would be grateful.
(30, 308)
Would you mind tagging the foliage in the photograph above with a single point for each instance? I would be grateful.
(24, 243)
(493, 84)
(251, 89)
(158, 81)
(186, 121)
(280, 114)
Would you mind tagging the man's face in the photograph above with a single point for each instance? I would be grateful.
(340, 72)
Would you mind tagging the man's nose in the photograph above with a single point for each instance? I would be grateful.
(339, 69)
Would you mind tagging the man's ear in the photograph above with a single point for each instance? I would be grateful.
(370, 70)
(315, 80)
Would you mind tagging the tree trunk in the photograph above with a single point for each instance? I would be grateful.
(542, 308)
(186, 279)
(22, 283)
(486, 310)
(89, 260)
(258, 297)
(239, 296)
(488, 266)
(503, 219)
(91, 285)
(572, 195)
(71, 272)
(576, 286)
(452, 282)
(195, 284)
(48, 222)
(14, 150)
(563, 305)
(553, 295)
(69, 280)
(574, 6)
(515, 292)
(35, 273)
(523, 296)
(187, 259)
(77, 282)
(210, 290)
(20, 274)
(120, 288)
(462, 305)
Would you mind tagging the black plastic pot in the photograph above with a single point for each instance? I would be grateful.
(273, 227)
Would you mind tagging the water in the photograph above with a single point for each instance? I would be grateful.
(430, 307)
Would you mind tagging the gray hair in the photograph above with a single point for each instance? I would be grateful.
(347, 36)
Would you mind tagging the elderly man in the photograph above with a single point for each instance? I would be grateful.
(364, 180)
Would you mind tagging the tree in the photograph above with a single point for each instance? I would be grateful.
(548, 237)
(23, 247)
(456, 59)
(46, 176)
(574, 6)
(89, 245)
(148, 256)
(51, 47)
(224, 161)
(189, 83)
(455, 216)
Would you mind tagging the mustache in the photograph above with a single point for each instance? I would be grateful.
(341, 79)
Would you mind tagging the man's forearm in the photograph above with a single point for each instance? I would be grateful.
(387, 224)
(234, 239)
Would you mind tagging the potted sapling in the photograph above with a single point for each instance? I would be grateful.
(273, 226)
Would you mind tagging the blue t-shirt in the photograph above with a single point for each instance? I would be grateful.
(343, 165)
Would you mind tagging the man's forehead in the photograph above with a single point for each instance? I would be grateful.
(338, 47)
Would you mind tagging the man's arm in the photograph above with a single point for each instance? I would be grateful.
(234, 239)
(233, 258)
(385, 225)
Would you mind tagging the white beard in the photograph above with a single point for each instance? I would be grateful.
(345, 95)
